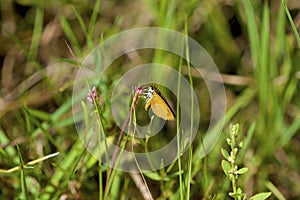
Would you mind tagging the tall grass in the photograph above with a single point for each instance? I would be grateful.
(36, 113)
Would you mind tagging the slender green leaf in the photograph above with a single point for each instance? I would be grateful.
(37, 32)
(291, 22)
(225, 153)
(261, 196)
(39, 114)
(226, 167)
(275, 191)
(243, 170)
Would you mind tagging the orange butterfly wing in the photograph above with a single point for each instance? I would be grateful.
(160, 107)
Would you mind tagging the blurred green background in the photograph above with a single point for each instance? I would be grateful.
(255, 45)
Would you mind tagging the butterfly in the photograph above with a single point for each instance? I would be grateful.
(158, 103)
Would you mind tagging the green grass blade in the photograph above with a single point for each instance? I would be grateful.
(252, 31)
(64, 171)
(23, 194)
(93, 19)
(37, 32)
(291, 22)
(275, 191)
(84, 29)
(70, 35)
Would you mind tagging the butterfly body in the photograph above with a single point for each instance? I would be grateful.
(158, 103)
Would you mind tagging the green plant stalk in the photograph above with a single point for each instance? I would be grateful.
(132, 149)
(146, 145)
(100, 180)
(232, 146)
(190, 158)
(230, 166)
(22, 176)
(97, 110)
(127, 120)
(178, 132)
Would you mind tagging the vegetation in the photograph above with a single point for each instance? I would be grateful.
(255, 45)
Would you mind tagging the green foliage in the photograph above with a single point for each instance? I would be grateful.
(230, 167)
(261, 196)
(255, 46)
